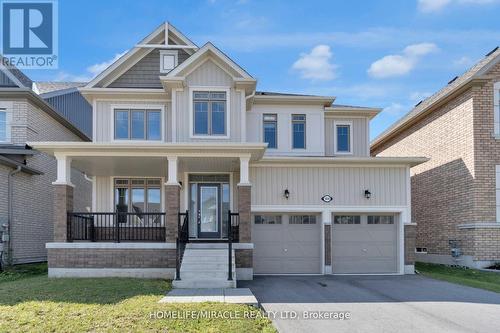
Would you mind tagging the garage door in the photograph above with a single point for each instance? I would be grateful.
(364, 244)
(286, 244)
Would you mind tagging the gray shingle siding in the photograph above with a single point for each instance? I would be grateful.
(146, 72)
(75, 108)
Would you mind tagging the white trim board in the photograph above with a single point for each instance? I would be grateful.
(114, 246)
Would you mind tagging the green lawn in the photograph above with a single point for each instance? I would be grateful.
(468, 277)
(30, 302)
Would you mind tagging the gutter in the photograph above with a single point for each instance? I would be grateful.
(10, 212)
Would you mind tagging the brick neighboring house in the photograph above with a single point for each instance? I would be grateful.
(26, 175)
(456, 194)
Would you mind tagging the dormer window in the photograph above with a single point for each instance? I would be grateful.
(168, 60)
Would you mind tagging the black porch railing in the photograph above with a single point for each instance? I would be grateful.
(181, 241)
(117, 227)
(232, 235)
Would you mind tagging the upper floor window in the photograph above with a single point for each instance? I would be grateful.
(298, 131)
(271, 130)
(137, 124)
(209, 113)
(496, 109)
(343, 137)
(3, 125)
(168, 60)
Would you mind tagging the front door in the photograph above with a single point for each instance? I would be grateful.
(208, 211)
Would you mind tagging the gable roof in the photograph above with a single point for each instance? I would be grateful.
(140, 50)
(45, 87)
(210, 49)
(14, 74)
(475, 72)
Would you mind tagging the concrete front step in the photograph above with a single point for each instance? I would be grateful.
(204, 266)
(197, 275)
(206, 283)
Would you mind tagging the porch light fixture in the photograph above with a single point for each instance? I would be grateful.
(368, 194)
(286, 194)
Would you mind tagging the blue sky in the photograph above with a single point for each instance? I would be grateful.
(387, 54)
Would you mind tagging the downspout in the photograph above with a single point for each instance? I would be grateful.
(10, 213)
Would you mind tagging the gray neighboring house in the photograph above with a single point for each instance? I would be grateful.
(26, 175)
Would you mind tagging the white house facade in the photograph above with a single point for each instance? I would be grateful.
(198, 176)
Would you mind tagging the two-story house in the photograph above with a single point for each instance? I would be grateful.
(26, 175)
(189, 160)
(456, 194)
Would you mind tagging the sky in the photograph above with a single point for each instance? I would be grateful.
(376, 53)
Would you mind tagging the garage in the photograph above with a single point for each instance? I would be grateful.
(364, 244)
(286, 243)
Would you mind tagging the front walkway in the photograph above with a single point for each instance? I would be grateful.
(376, 304)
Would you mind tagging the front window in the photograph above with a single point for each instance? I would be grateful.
(209, 108)
(3, 125)
(343, 136)
(137, 195)
(271, 130)
(299, 131)
(137, 124)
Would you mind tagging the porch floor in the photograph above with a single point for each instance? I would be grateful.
(229, 295)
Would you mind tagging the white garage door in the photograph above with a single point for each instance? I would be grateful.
(364, 244)
(286, 244)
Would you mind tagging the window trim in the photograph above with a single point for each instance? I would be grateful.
(264, 130)
(131, 107)
(496, 110)
(175, 53)
(335, 138)
(305, 130)
(227, 90)
(7, 108)
(112, 189)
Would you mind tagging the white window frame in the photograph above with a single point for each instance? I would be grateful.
(496, 109)
(146, 107)
(291, 131)
(497, 192)
(335, 140)
(263, 130)
(7, 108)
(163, 53)
(227, 90)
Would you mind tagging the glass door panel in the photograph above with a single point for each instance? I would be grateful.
(208, 211)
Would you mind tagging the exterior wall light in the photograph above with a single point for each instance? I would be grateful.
(368, 194)
(286, 194)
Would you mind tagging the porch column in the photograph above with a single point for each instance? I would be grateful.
(172, 200)
(63, 198)
(244, 201)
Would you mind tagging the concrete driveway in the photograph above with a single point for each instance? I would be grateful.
(408, 303)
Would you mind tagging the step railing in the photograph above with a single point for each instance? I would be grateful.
(181, 241)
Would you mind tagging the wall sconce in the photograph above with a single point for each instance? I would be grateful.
(286, 194)
(368, 194)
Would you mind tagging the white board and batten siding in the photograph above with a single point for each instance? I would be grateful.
(388, 186)
(104, 114)
(315, 144)
(206, 76)
(360, 136)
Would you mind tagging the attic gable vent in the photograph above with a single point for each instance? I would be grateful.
(491, 52)
(453, 80)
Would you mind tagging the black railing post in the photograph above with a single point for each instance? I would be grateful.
(68, 228)
(230, 247)
(92, 229)
(117, 227)
(177, 259)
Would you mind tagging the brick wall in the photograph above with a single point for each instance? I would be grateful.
(457, 185)
(244, 209)
(244, 258)
(33, 196)
(410, 238)
(111, 258)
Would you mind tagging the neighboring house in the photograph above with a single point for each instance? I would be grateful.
(183, 143)
(26, 176)
(456, 194)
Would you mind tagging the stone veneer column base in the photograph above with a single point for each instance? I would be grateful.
(410, 231)
(244, 264)
(63, 203)
(172, 206)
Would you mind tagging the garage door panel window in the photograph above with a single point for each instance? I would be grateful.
(302, 219)
(267, 219)
(381, 219)
(347, 219)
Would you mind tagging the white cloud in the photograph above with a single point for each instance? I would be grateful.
(316, 65)
(395, 109)
(432, 6)
(400, 64)
(95, 69)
